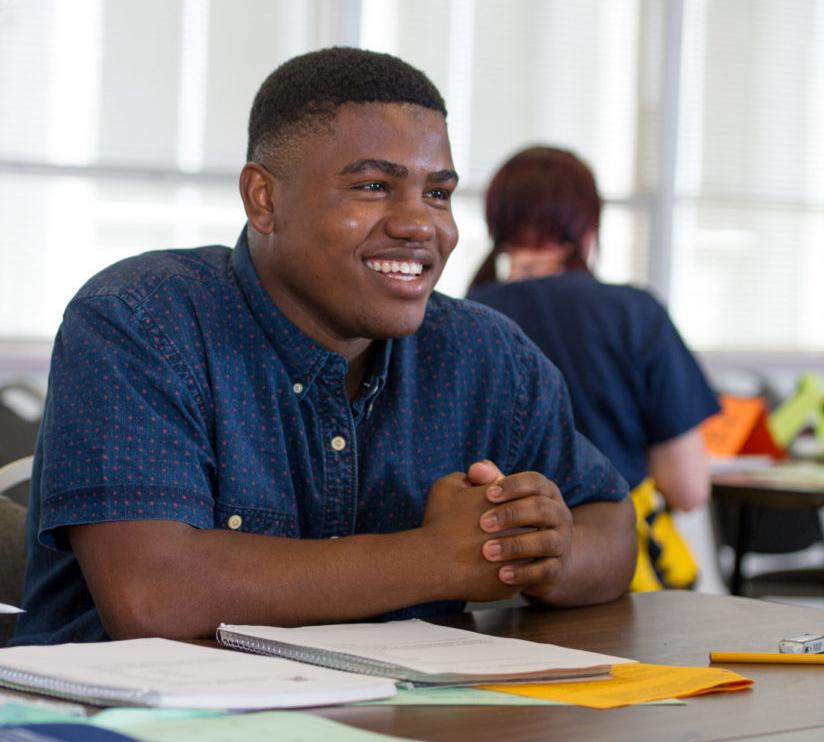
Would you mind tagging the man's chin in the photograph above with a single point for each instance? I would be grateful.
(395, 327)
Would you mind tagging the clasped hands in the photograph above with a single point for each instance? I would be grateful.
(511, 534)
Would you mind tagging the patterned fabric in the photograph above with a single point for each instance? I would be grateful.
(664, 558)
(179, 391)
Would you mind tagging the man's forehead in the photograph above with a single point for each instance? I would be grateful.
(325, 143)
(359, 135)
(354, 118)
(383, 108)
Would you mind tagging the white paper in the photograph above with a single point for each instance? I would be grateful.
(434, 649)
(738, 464)
(168, 673)
(6, 608)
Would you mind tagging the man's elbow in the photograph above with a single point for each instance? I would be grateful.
(142, 576)
(144, 609)
(628, 550)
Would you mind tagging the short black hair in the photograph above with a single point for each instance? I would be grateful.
(303, 94)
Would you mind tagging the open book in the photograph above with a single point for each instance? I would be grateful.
(418, 652)
(163, 673)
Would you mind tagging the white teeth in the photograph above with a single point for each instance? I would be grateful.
(404, 267)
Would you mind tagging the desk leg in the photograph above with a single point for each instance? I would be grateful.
(742, 538)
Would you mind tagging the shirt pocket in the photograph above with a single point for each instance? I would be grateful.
(255, 520)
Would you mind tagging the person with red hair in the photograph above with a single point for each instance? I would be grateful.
(637, 392)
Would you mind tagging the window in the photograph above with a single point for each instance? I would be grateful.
(124, 130)
(749, 210)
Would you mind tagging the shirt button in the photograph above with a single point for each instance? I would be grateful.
(339, 443)
(234, 522)
(297, 387)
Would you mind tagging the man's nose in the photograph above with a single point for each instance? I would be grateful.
(410, 220)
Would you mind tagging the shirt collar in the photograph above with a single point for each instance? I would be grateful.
(375, 379)
(303, 357)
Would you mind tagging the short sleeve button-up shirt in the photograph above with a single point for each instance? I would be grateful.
(178, 391)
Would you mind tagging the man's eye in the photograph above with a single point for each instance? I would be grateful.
(373, 187)
(439, 193)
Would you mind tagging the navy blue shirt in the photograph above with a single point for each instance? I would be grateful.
(179, 391)
(632, 380)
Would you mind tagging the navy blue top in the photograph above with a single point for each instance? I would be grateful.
(632, 380)
(178, 391)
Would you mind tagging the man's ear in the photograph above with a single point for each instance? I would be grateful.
(257, 189)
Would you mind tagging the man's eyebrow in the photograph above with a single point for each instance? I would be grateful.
(394, 170)
(384, 166)
(443, 176)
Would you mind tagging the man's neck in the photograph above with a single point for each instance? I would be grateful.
(356, 372)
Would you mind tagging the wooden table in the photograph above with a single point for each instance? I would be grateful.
(678, 628)
(670, 628)
(783, 487)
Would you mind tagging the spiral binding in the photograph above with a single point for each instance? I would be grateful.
(311, 656)
(99, 695)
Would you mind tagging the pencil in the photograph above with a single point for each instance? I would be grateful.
(777, 658)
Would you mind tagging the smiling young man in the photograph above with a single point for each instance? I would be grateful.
(299, 430)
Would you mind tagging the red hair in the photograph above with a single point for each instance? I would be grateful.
(542, 194)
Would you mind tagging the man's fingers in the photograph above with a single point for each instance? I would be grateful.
(538, 511)
(539, 572)
(484, 472)
(535, 544)
(530, 525)
(521, 485)
(458, 476)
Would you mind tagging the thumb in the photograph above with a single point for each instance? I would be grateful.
(484, 472)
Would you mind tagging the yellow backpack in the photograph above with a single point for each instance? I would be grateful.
(664, 558)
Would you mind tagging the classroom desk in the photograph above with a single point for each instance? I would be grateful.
(673, 627)
(778, 487)
(670, 628)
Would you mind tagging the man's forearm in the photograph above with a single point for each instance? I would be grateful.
(166, 578)
(602, 559)
(163, 578)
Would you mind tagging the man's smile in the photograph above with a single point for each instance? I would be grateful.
(401, 270)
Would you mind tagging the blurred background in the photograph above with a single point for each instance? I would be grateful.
(123, 129)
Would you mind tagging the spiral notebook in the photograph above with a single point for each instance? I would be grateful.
(164, 673)
(419, 653)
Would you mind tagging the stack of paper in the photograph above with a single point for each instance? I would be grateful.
(420, 653)
(163, 673)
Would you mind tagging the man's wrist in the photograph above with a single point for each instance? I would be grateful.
(433, 567)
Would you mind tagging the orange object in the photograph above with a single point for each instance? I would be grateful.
(740, 428)
(633, 683)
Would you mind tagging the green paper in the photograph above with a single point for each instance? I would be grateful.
(472, 697)
(22, 713)
(121, 717)
(283, 726)
(457, 697)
